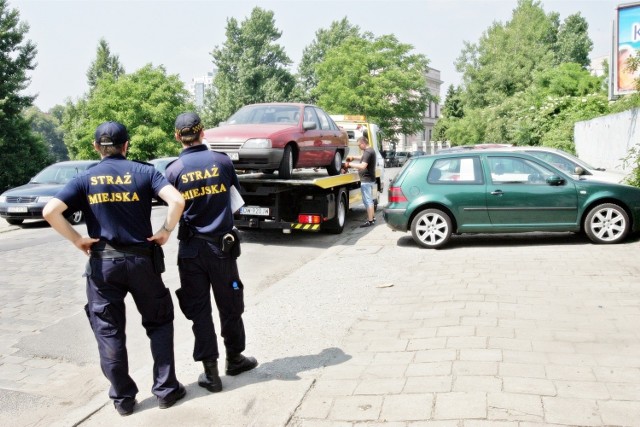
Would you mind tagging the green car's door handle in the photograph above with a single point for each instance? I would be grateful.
(496, 193)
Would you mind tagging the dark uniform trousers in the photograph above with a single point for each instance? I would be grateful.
(203, 267)
(108, 281)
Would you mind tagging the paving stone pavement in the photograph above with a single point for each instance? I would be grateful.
(502, 331)
(508, 331)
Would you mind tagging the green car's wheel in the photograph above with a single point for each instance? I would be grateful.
(607, 223)
(431, 228)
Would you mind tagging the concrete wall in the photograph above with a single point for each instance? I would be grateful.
(605, 141)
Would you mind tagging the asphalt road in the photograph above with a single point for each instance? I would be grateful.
(48, 356)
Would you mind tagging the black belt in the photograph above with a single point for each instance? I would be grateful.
(120, 252)
(110, 254)
(217, 240)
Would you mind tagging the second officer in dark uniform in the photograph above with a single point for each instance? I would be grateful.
(207, 252)
(125, 257)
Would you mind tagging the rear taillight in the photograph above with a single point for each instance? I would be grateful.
(396, 195)
(309, 219)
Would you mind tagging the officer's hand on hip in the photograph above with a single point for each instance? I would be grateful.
(161, 237)
(84, 244)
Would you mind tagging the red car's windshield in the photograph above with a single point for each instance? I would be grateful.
(261, 114)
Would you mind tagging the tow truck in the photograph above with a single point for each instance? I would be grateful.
(310, 200)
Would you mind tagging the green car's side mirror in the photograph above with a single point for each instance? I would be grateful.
(555, 180)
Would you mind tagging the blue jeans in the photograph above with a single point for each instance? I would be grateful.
(366, 188)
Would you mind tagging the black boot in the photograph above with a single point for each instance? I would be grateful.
(237, 364)
(170, 399)
(210, 379)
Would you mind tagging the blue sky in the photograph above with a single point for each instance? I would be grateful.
(180, 34)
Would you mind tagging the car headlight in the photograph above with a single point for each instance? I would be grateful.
(257, 143)
(44, 199)
(3, 199)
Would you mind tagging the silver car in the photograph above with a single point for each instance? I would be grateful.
(27, 201)
(571, 164)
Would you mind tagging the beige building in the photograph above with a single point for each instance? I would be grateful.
(422, 141)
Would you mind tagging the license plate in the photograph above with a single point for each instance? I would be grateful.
(17, 209)
(233, 156)
(254, 210)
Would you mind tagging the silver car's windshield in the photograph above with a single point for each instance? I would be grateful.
(565, 162)
(56, 174)
(261, 114)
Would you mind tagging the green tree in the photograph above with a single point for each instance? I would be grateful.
(544, 114)
(74, 116)
(379, 78)
(314, 54)
(573, 43)
(469, 130)
(251, 66)
(22, 153)
(453, 103)
(452, 109)
(146, 102)
(49, 127)
(507, 56)
(104, 64)
(57, 111)
(525, 82)
(626, 102)
(566, 79)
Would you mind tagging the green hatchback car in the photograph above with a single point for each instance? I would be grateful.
(494, 191)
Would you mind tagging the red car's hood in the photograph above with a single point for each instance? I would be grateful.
(231, 133)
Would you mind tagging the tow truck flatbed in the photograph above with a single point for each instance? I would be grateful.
(308, 201)
(319, 179)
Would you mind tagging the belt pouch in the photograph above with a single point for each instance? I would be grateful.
(235, 249)
(158, 259)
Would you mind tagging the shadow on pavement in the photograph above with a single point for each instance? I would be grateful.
(512, 239)
(288, 368)
(320, 239)
(283, 369)
(34, 224)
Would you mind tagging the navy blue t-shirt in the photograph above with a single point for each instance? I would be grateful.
(116, 196)
(204, 178)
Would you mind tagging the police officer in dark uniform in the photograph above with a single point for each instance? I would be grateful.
(115, 197)
(207, 252)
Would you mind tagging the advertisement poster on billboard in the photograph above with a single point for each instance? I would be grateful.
(627, 44)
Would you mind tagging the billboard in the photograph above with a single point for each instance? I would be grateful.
(626, 44)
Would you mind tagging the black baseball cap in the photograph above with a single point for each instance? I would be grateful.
(188, 124)
(111, 133)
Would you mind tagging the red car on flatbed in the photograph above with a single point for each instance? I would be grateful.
(280, 137)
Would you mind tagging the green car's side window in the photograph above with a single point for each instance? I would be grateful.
(455, 170)
(513, 170)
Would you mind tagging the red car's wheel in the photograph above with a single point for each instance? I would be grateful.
(286, 165)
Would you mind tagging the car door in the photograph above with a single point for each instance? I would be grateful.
(519, 196)
(310, 143)
(330, 136)
(458, 183)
